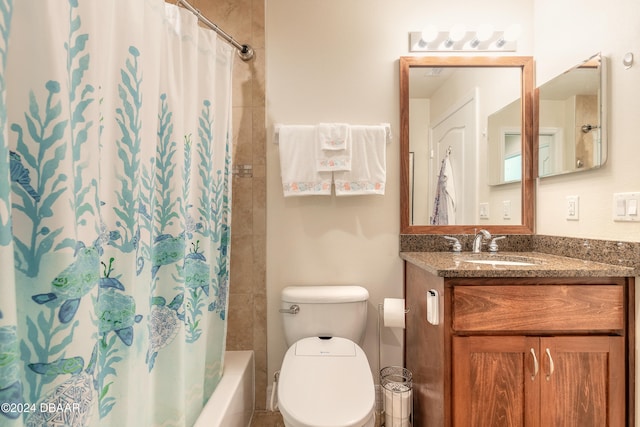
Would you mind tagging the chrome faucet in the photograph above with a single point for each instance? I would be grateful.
(493, 246)
(456, 246)
(477, 241)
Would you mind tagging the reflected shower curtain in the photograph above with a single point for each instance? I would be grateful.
(114, 212)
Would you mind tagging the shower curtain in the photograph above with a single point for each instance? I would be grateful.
(115, 198)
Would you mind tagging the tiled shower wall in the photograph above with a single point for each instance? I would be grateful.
(247, 327)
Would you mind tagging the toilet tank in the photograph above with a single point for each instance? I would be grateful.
(324, 311)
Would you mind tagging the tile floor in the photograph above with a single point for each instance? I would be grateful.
(273, 419)
(267, 419)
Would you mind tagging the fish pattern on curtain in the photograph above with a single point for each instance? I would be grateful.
(115, 198)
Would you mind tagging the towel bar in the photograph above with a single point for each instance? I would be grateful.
(387, 128)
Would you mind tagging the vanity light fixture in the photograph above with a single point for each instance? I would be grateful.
(458, 38)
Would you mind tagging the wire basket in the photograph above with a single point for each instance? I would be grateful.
(397, 385)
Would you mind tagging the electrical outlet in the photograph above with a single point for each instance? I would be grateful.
(573, 208)
(484, 210)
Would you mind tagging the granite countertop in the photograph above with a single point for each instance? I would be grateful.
(450, 264)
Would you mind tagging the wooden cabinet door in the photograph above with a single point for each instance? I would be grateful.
(496, 381)
(582, 381)
(507, 381)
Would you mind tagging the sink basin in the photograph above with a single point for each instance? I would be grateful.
(506, 260)
(498, 262)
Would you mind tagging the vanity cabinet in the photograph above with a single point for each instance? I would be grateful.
(530, 352)
(538, 381)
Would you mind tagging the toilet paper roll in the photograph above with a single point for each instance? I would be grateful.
(397, 407)
(393, 312)
(396, 422)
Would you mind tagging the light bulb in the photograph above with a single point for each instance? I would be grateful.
(510, 34)
(484, 33)
(456, 33)
(429, 34)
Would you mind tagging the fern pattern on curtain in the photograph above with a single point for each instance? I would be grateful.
(115, 198)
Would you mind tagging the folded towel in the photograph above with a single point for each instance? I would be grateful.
(333, 136)
(333, 159)
(368, 172)
(297, 146)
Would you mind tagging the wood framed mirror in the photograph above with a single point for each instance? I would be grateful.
(448, 120)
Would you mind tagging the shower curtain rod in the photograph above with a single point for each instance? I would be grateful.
(245, 52)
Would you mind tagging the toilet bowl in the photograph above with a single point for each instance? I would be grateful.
(325, 379)
(326, 382)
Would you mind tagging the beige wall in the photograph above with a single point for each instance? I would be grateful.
(337, 61)
(566, 33)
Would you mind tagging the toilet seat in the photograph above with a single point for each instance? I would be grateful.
(326, 382)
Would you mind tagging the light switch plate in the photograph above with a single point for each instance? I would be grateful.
(573, 208)
(626, 207)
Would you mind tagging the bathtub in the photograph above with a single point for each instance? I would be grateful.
(232, 402)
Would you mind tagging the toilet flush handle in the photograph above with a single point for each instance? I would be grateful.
(293, 309)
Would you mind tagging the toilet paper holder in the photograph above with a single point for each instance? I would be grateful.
(394, 312)
(397, 384)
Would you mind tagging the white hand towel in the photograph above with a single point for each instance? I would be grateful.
(368, 172)
(297, 146)
(333, 159)
(333, 136)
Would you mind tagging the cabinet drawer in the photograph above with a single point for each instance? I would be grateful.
(565, 308)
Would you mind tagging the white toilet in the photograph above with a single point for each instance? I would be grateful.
(325, 379)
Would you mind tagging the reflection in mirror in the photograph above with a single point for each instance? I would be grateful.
(445, 104)
(572, 120)
(504, 142)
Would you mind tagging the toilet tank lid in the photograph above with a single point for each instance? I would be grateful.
(324, 294)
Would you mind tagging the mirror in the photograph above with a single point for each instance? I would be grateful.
(572, 131)
(445, 103)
